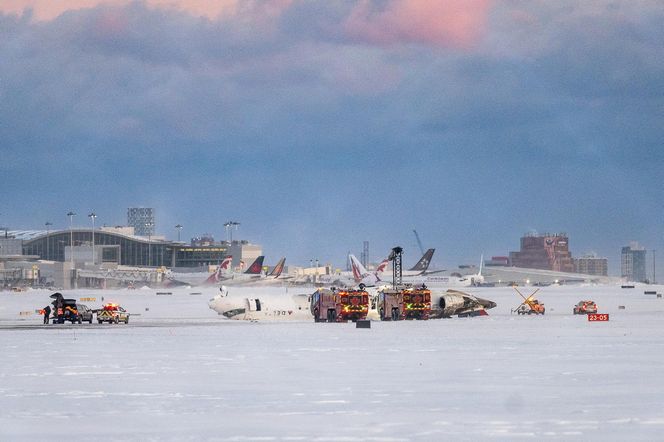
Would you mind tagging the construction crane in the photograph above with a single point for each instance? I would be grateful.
(419, 243)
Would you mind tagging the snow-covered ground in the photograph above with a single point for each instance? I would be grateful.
(180, 372)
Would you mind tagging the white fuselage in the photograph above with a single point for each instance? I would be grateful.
(445, 281)
(272, 307)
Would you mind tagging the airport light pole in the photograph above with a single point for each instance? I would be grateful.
(149, 225)
(654, 276)
(316, 280)
(48, 225)
(92, 216)
(229, 230)
(179, 227)
(71, 216)
(311, 265)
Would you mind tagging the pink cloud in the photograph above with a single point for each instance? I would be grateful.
(50, 9)
(445, 23)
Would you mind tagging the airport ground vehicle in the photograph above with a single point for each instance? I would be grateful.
(530, 305)
(66, 311)
(339, 305)
(533, 307)
(409, 303)
(85, 313)
(585, 307)
(113, 314)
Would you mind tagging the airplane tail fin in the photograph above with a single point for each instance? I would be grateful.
(481, 265)
(256, 267)
(358, 269)
(382, 266)
(226, 263)
(276, 271)
(222, 268)
(423, 264)
(360, 273)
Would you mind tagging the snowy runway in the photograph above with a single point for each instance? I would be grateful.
(501, 377)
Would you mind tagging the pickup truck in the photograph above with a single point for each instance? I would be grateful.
(113, 314)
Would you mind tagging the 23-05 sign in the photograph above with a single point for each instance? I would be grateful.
(596, 317)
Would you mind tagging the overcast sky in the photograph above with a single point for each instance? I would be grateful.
(320, 124)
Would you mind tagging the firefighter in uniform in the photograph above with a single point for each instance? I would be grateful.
(47, 314)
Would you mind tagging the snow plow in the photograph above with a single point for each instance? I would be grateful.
(530, 305)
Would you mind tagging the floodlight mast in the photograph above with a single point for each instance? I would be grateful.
(93, 216)
(71, 216)
(229, 225)
(395, 257)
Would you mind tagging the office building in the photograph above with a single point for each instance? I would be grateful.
(142, 220)
(591, 264)
(546, 252)
(633, 262)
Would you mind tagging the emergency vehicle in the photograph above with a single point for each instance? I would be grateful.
(408, 303)
(585, 307)
(68, 311)
(113, 314)
(339, 305)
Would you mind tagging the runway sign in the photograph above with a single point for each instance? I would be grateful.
(598, 317)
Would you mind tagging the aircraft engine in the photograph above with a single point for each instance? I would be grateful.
(451, 304)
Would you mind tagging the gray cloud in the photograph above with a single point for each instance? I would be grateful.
(297, 119)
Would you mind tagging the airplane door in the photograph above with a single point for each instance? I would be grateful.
(254, 305)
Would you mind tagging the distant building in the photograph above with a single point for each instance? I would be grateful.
(122, 230)
(203, 241)
(498, 261)
(130, 250)
(10, 246)
(591, 264)
(546, 252)
(633, 262)
(244, 253)
(142, 220)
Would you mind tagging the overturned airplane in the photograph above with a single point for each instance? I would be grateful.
(455, 302)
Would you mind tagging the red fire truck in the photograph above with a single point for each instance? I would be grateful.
(408, 303)
(339, 305)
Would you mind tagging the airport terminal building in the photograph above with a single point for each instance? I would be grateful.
(107, 255)
(116, 247)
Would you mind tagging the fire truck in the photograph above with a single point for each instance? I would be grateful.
(339, 305)
(407, 303)
(113, 314)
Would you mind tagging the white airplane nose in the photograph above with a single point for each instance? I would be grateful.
(213, 302)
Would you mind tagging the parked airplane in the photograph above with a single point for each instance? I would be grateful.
(278, 269)
(423, 264)
(362, 275)
(420, 268)
(449, 281)
(274, 278)
(197, 279)
(347, 279)
(254, 271)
